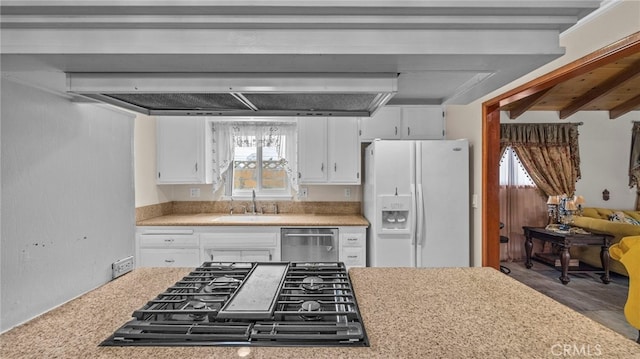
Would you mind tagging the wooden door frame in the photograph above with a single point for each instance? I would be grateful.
(491, 133)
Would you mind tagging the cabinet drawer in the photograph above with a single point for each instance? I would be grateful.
(353, 257)
(164, 257)
(239, 240)
(168, 240)
(352, 239)
(229, 255)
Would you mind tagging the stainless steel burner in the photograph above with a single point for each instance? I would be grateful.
(312, 284)
(198, 305)
(220, 282)
(310, 307)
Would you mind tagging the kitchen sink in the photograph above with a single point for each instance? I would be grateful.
(247, 218)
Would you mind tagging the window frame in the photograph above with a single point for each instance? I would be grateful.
(260, 192)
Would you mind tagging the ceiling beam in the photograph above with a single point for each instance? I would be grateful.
(624, 107)
(608, 54)
(526, 103)
(600, 90)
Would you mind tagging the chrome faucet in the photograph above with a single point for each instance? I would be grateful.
(253, 201)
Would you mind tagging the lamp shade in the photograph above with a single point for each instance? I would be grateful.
(579, 200)
(570, 206)
(553, 200)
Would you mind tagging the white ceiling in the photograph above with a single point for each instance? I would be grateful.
(443, 51)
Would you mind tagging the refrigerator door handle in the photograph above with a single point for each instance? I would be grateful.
(413, 215)
(419, 225)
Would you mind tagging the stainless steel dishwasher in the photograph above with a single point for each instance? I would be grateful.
(309, 244)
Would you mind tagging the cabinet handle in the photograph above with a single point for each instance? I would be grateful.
(169, 240)
(335, 167)
(196, 166)
(396, 130)
(352, 239)
(169, 260)
(352, 257)
(322, 167)
(408, 131)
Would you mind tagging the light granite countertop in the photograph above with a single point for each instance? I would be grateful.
(407, 312)
(221, 219)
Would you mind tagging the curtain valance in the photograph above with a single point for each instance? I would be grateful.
(548, 151)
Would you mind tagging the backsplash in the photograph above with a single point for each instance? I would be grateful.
(193, 207)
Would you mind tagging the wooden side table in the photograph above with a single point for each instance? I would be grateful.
(566, 241)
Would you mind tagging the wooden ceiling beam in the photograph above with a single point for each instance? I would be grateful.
(526, 103)
(624, 107)
(600, 90)
(608, 54)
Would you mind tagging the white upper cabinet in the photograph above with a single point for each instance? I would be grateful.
(312, 149)
(182, 144)
(385, 124)
(328, 150)
(422, 123)
(404, 123)
(343, 150)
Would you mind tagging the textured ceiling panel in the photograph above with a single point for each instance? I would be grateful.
(181, 101)
(311, 102)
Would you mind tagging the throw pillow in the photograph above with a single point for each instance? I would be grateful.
(620, 217)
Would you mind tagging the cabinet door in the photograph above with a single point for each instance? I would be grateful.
(233, 255)
(256, 256)
(343, 150)
(180, 150)
(422, 123)
(225, 255)
(312, 150)
(385, 124)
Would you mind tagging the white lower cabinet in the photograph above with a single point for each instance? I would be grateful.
(229, 255)
(158, 247)
(191, 246)
(353, 246)
(241, 244)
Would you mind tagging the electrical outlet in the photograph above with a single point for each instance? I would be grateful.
(303, 192)
(195, 192)
(347, 193)
(121, 267)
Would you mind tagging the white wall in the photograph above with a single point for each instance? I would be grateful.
(67, 195)
(147, 192)
(612, 23)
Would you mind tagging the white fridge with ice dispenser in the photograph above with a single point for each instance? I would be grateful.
(416, 199)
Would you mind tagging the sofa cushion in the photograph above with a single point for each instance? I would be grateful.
(591, 254)
(606, 213)
(616, 229)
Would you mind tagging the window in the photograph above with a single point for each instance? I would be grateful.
(512, 173)
(255, 156)
(259, 164)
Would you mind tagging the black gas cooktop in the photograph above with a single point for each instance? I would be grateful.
(251, 304)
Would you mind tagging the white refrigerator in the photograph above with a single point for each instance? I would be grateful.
(416, 199)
